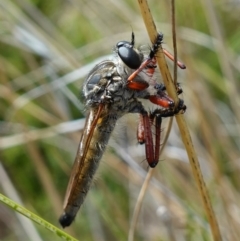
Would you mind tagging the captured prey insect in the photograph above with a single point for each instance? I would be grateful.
(114, 88)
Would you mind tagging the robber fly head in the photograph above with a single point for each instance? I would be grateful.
(128, 54)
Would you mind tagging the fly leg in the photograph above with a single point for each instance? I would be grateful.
(162, 99)
(144, 130)
(144, 136)
(158, 122)
(140, 130)
(180, 108)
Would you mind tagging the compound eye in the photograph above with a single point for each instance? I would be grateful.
(123, 43)
(128, 55)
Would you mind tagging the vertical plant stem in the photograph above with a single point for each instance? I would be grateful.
(138, 205)
(174, 37)
(186, 138)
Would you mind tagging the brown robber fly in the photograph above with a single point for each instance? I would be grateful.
(112, 89)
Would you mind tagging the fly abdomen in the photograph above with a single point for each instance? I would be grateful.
(93, 142)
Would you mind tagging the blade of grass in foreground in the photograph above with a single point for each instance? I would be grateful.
(35, 218)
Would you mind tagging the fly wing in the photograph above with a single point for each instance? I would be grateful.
(93, 141)
(76, 191)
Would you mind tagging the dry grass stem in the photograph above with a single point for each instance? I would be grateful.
(186, 138)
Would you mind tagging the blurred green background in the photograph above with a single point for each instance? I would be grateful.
(47, 48)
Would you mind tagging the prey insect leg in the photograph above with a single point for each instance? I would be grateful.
(150, 62)
(170, 56)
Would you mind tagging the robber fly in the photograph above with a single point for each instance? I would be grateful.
(114, 88)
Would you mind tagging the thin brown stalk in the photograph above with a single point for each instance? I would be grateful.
(186, 138)
(139, 204)
(174, 38)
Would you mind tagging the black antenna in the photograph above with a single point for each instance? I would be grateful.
(133, 39)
